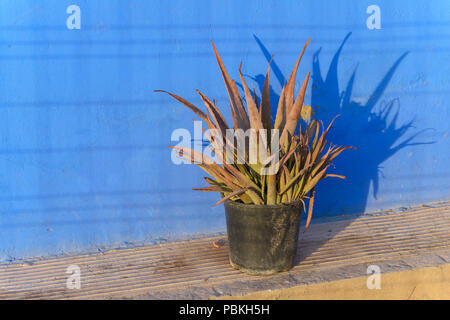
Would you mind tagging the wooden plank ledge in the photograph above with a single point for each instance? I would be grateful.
(195, 269)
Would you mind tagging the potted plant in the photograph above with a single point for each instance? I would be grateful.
(263, 169)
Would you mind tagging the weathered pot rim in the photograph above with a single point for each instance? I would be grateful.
(265, 206)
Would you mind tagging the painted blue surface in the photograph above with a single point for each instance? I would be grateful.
(83, 138)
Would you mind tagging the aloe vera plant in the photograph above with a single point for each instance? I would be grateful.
(303, 155)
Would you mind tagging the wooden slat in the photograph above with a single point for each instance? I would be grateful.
(367, 238)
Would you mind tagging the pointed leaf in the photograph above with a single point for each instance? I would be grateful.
(255, 120)
(310, 208)
(294, 114)
(265, 102)
(215, 113)
(239, 120)
(231, 195)
(196, 110)
(291, 82)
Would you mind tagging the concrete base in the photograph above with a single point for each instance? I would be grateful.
(420, 284)
(328, 254)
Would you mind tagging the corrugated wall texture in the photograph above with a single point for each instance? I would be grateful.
(84, 161)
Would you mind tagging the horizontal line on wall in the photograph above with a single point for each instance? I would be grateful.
(240, 26)
(96, 103)
(92, 194)
(127, 42)
(206, 54)
(81, 149)
(115, 217)
(118, 103)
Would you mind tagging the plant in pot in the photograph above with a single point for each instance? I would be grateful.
(263, 169)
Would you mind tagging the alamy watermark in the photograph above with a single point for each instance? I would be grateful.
(255, 147)
(74, 20)
(74, 280)
(374, 278)
(374, 20)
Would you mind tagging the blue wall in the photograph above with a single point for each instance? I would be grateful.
(84, 161)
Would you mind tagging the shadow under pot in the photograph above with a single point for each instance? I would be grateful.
(262, 239)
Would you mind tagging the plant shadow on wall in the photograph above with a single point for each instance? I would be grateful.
(371, 127)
